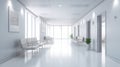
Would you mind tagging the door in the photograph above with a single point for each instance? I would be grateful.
(101, 32)
(88, 31)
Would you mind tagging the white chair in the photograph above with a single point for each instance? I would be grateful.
(27, 45)
(35, 42)
(30, 43)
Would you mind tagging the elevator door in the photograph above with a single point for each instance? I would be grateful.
(101, 33)
(88, 35)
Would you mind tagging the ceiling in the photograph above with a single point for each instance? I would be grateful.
(59, 12)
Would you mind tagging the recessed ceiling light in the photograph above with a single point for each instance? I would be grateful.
(9, 3)
(22, 11)
(116, 3)
(93, 15)
(60, 5)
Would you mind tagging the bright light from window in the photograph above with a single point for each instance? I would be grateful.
(116, 3)
(59, 32)
(60, 49)
(65, 33)
(37, 28)
(26, 24)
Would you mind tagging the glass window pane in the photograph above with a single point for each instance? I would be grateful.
(37, 24)
(64, 32)
(51, 31)
(57, 32)
(29, 25)
(33, 26)
(26, 24)
(69, 32)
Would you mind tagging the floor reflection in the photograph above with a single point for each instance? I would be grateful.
(103, 54)
(61, 54)
(61, 48)
(28, 55)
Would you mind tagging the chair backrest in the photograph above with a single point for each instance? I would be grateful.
(28, 42)
(23, 42)
(34, 39)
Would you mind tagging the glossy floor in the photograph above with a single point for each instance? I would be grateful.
(61, 54)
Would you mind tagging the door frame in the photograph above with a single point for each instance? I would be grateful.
(99, 31)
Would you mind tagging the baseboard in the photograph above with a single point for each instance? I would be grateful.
(5, 59)
(114, 59)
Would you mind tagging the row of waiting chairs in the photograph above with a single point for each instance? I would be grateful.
(31, 43)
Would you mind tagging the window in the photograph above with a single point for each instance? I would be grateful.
(58, 31)
(32, 26)
(29, 23)
(74, 31)
(69, 32)
(65, 32)
(51, 31)
(37, 29)
(26, 25)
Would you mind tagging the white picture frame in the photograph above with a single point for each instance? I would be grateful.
(13, 21)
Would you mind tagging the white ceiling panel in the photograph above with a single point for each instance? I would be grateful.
(61, 11)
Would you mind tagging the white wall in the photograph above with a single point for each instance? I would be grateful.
(112, 26)
(82, 30)
(42, 29)
(8, 40)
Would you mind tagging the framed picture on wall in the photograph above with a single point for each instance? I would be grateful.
(13, 23)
